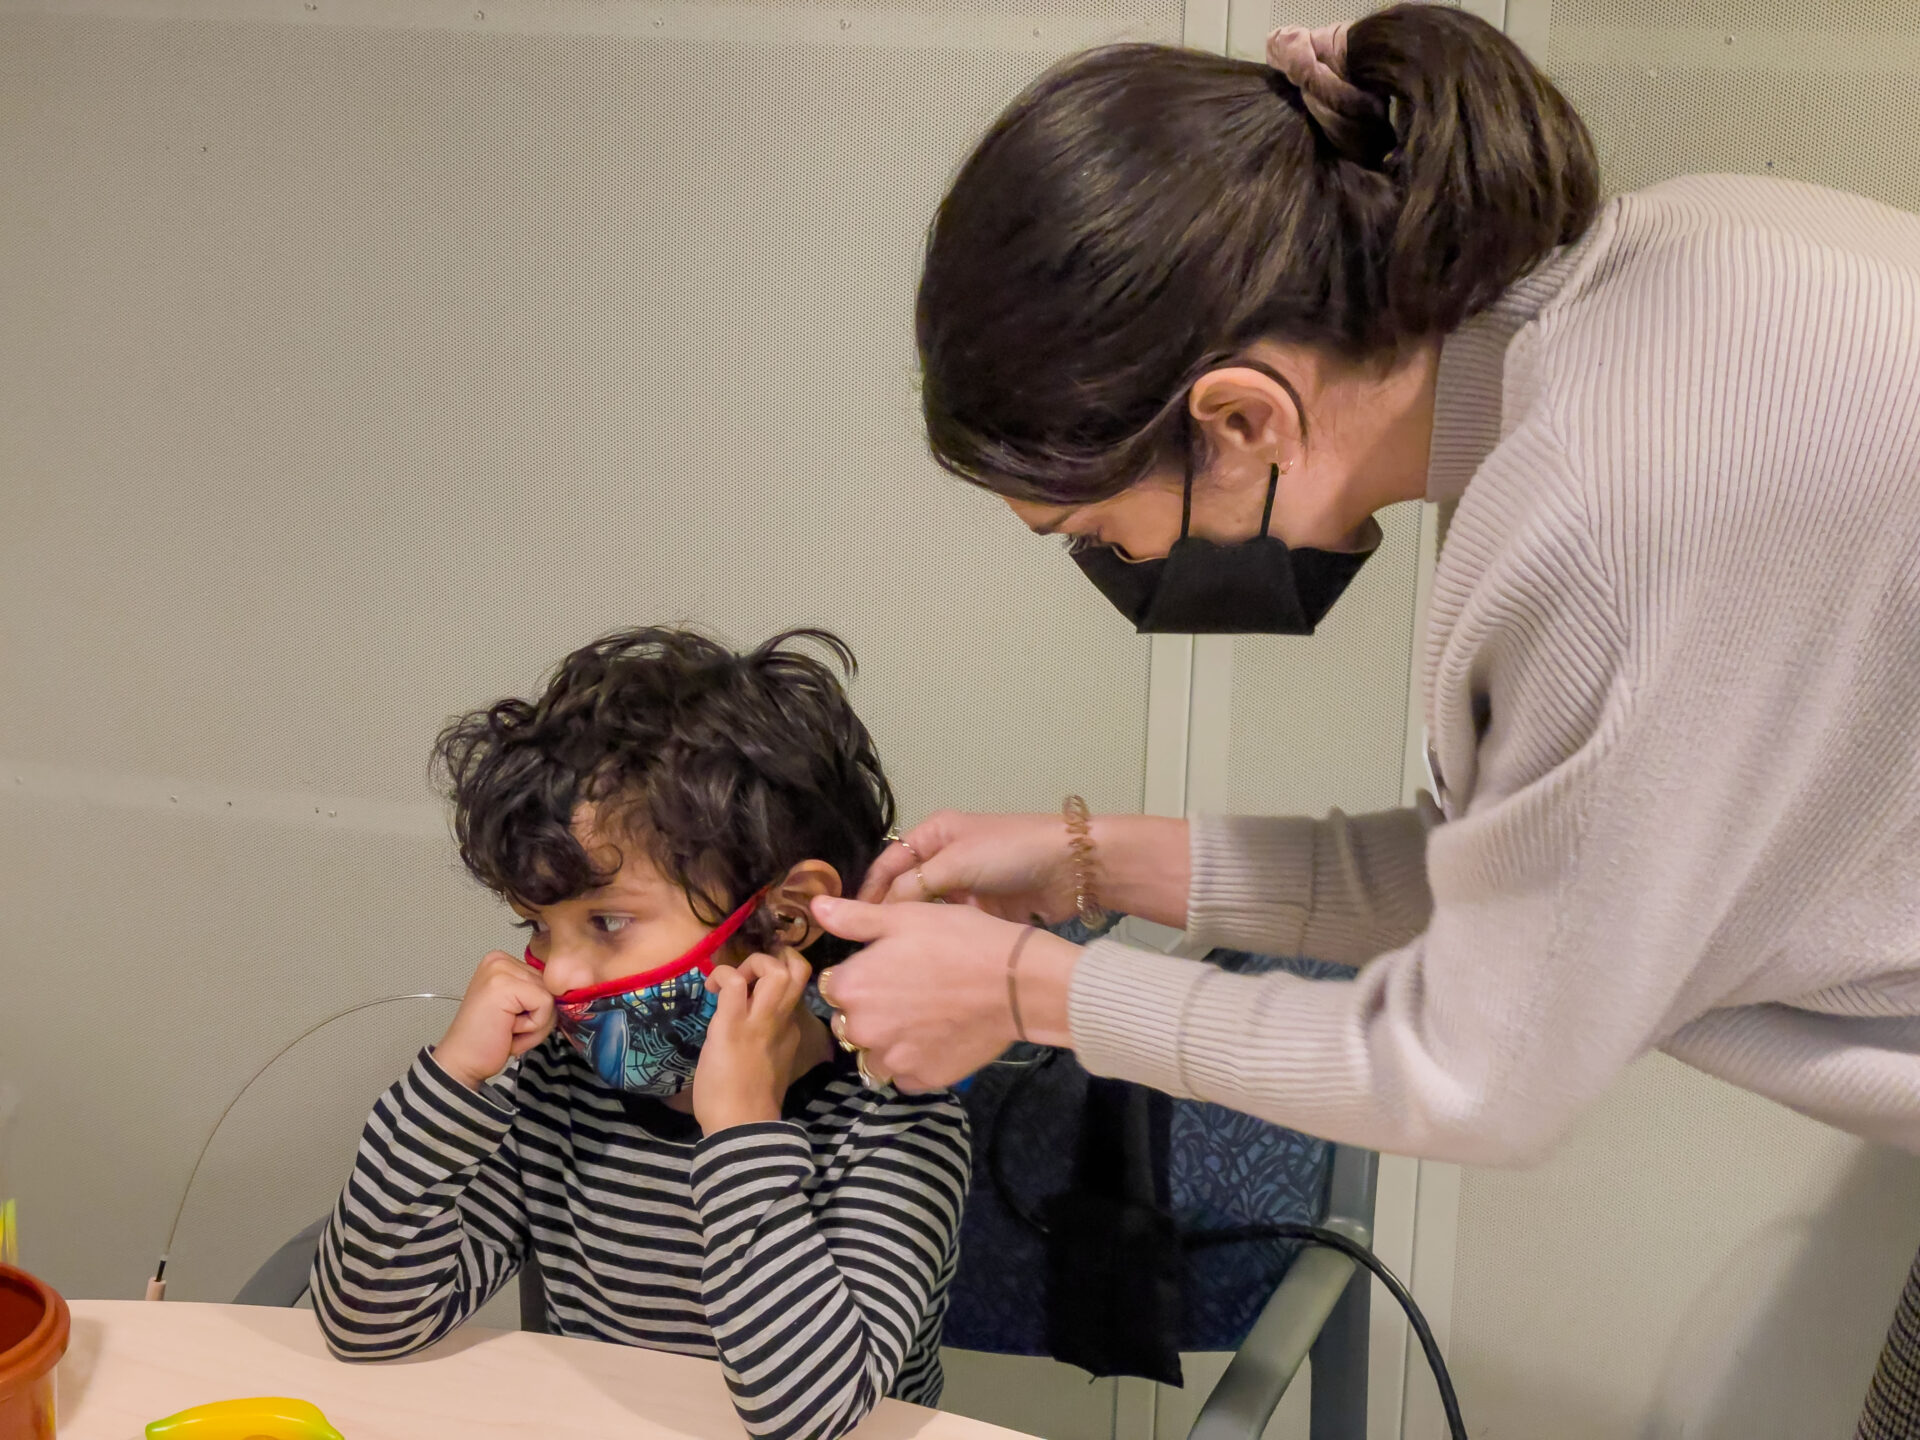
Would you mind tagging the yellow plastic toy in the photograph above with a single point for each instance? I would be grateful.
(271, 1417)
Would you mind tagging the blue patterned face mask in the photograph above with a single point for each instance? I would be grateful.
(643, 1033)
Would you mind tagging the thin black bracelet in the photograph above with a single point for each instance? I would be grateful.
(1013, 984)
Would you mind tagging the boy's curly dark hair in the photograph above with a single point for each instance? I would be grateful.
(727, 769)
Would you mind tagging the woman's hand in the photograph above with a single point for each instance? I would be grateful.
(1012, 866)
(927, 998)
(505, 1012)
(747, 1059)
(1019, 867)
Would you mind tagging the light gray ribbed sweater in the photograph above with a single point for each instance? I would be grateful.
(1673, 685)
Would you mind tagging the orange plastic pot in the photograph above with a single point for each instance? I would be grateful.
(33, 1336)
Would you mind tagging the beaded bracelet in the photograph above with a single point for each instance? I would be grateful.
(1080, 849)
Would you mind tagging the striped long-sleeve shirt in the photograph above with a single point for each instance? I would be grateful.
(810, 1255)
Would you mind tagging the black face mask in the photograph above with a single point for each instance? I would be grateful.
(1251, 587)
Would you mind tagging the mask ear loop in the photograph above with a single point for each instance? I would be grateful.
(783, 923)
(1273, 488)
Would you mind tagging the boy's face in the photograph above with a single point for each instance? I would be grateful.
(636, 921)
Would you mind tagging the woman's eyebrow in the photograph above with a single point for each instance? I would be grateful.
(1052, 527)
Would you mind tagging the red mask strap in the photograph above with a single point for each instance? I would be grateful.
(700, 958)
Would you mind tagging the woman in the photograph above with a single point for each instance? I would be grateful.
(1181, 306)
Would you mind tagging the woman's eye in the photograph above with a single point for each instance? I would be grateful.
(1085, 544)
(531, 926)
(612, 924)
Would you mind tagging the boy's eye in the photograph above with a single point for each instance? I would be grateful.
(612, 924)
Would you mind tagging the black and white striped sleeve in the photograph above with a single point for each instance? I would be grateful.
(431, 1222)
(815, 1300)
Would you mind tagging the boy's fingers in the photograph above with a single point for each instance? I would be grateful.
(778, 989)
(527, 995)
(757, 967)
(731, 987)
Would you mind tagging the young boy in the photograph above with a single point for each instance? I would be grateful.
(677, 1139)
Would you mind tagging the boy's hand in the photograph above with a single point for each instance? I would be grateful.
(506, 1012)
(747, 1060)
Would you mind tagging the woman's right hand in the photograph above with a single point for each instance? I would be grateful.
(1013, 866)
(506, 1012)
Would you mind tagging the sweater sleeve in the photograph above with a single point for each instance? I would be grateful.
(1345, 889)
(431, 1223)
(1478, 1041)
(816, 1298)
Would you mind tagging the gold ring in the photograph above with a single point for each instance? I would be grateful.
(839, 1028)
(867, 1077)
(927, 892)
(907, 845)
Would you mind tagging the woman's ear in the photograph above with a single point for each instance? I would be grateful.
(1249, 419)
(792, 901)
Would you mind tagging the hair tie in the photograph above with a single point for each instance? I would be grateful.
(1315, 61)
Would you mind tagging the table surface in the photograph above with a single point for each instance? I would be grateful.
(132, 1361)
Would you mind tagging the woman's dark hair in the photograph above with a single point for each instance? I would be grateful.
(1141, 214)
(726, 769)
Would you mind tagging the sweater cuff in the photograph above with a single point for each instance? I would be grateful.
(1345, 889)
(1124, 1012)
(1274, 1046)
(1252, 882)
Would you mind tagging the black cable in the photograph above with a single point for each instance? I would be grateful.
(1246, 1234)
(1362, 1256)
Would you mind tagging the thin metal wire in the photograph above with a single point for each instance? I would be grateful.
(207, 1144)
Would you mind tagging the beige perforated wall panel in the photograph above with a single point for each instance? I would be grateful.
(1696, 1262)
(1321, 722)
(356, 361)
(1317, 12)
(1823, 91)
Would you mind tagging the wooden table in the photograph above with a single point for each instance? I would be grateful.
(132, 1361)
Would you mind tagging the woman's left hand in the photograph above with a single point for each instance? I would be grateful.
(927, 999)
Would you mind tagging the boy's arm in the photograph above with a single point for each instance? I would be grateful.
(431, 1222)
(815, 1301)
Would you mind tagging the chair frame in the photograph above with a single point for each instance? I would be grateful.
(1321, 1308)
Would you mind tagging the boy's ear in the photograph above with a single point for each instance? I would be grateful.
(792, 901)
